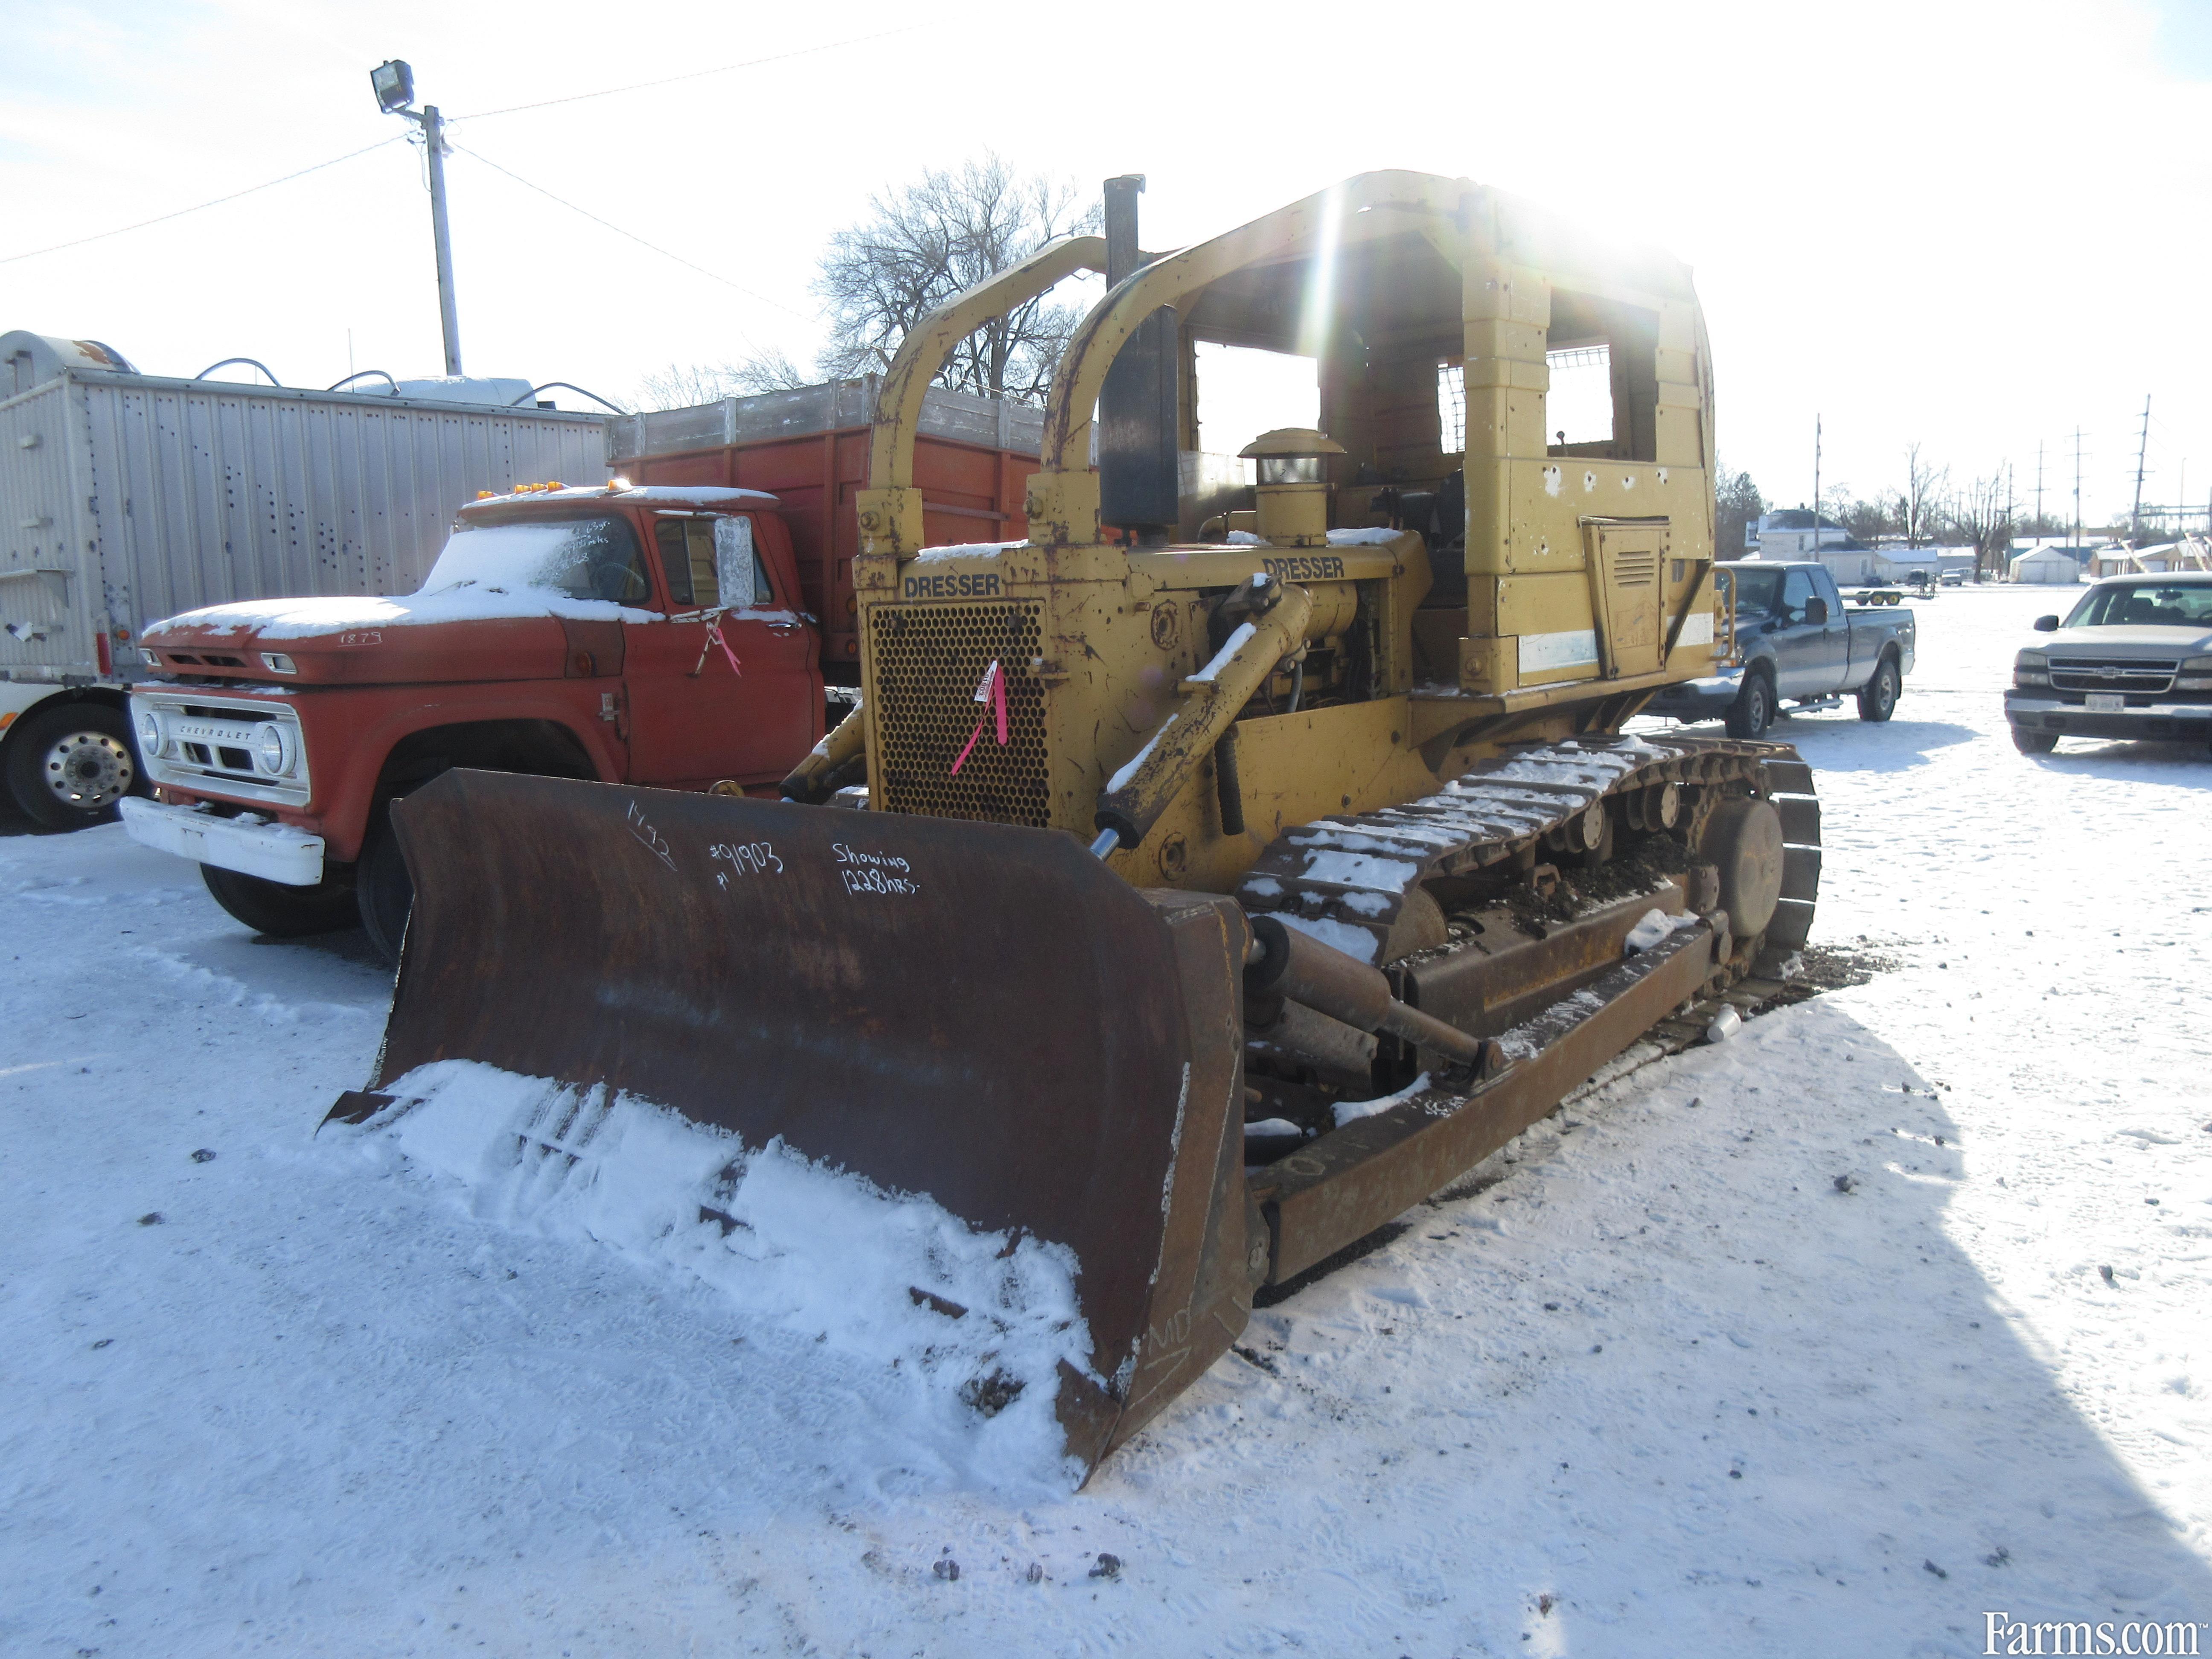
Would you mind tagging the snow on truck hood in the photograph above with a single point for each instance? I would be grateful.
(299, 619)
(577, 566)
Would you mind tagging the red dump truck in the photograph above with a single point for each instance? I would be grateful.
(692, 629)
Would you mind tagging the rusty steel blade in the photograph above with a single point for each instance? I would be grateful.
(978, 1013)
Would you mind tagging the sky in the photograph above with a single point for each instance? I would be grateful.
(1975, 226)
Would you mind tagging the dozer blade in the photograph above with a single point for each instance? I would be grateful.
(976, 1013)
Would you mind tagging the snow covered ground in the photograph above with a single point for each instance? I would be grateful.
(1658, 1387)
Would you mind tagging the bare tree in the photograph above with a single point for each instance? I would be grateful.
(1736, 504)
(926, 242)
(1866, 520)
(1916, 502)
(681, 387)
(1981, 516)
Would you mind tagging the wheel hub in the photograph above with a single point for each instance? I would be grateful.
(89, 770)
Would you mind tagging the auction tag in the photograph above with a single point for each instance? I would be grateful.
(2103, 702)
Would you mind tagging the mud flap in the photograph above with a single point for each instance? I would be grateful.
(977, 1012)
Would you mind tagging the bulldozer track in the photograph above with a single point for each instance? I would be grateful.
(1345, 878)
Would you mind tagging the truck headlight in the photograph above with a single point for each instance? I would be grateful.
(152, 736)
(2031, 668)
(274, 750)
(2195, 675)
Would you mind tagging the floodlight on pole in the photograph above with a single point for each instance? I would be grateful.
(393, 82)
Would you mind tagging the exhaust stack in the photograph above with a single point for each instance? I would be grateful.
(1139, 475)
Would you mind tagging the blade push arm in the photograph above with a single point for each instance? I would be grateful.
(1136, 795)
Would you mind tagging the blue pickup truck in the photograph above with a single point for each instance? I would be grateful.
(1795, 642)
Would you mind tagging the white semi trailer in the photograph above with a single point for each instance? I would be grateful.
(125, 498)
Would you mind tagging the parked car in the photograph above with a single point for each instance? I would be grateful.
(2132, 660)
(1794, 639)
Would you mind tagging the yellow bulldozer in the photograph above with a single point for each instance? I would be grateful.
(1197, 897)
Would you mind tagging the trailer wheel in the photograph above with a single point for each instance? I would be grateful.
(70, 765)
(1753, 711)
(383, 891)
(282, 911)
(1878, 696)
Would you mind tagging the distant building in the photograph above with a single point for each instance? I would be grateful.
(2190, 553)
(2080, 552)
(1791, 533)
(2045, 565)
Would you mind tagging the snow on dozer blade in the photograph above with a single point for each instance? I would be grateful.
(980, 1013)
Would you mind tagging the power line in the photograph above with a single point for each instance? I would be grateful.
(632, 235)
(120, 230)
(692, 75)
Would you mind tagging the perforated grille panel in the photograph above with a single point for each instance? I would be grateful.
(928, 660)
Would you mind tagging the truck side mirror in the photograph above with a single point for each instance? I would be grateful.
(2046, 625)
(1816, 611)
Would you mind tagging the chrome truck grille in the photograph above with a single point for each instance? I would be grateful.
(209, 744)
(2134, 674)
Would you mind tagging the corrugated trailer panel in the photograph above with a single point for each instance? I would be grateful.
(167, 495)
(38, 563)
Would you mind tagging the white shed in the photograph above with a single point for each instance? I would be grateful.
(2045, 564)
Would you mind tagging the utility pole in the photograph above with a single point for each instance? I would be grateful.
(2038, 486)
(1816, 485)
(2143, 447)
(394, 84)
(449, 321)
(2077, 486)
(2001, 559)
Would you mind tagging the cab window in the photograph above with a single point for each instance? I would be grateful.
(710, 563)
(1797, 588)
(687, 559)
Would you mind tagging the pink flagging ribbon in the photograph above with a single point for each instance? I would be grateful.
(715, 630)
(991, 691)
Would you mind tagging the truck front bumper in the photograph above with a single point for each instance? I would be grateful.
(1698, 700)
(251, 846)
(2038, 711)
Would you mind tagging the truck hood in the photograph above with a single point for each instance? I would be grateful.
(2136, 639)
(458, 634)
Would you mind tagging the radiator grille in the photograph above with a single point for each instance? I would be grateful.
(928, 659)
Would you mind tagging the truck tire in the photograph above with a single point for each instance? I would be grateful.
(2030, 742)
(1753, 711)
(1878, 696)
(383, 891)
(70, 764)
(280, 911)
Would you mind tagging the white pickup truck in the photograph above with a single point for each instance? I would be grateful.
(2132, 660)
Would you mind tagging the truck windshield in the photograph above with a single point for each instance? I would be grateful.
(584, 558)
(2145, 605)
(1756, 590)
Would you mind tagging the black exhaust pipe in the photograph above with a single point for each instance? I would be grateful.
(1139, 474)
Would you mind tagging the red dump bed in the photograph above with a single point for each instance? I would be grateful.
(809, 447)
